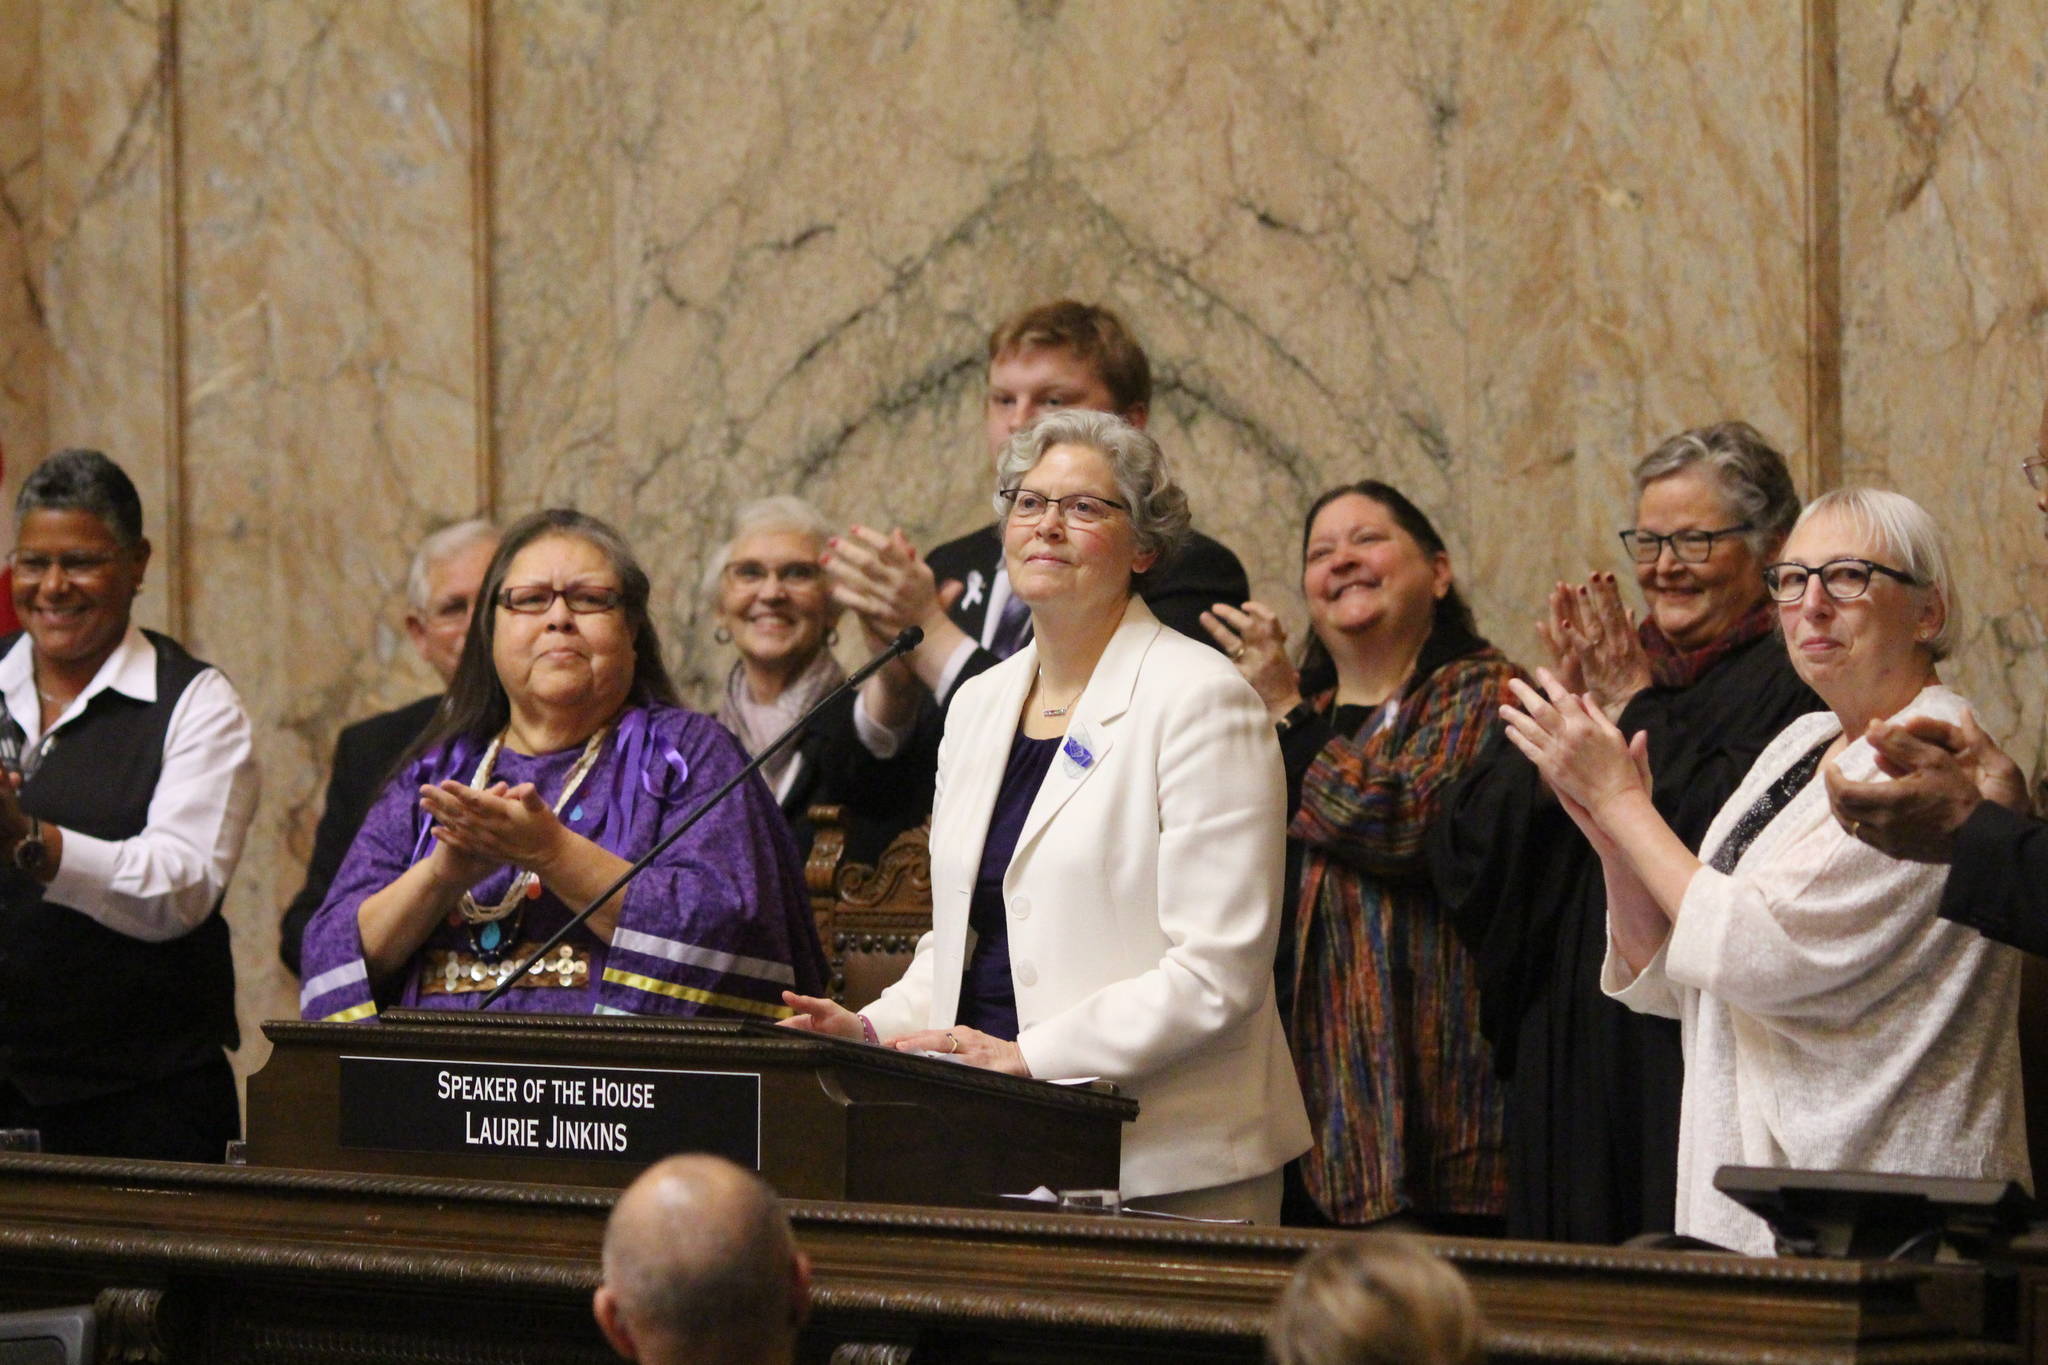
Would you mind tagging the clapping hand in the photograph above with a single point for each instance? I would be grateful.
(483, 830)
(1593, 644)
(885, 582)
(1940, 774)
(1256, 642)
(1583, 757)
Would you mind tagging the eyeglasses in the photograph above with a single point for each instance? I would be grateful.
(534, 598)
(30, 567)
(798, 573)
(1844, 580)
(2036, 471)
(1082, 509)
(1687, 547)
(451, 611)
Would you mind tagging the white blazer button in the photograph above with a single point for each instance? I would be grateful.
(1020, 907)
(1026, 974)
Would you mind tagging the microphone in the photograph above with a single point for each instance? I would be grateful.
(909, 639)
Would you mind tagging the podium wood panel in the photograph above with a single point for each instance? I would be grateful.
(838, 1120)
(248, 1265)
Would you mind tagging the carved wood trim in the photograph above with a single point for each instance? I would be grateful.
(1044, 1286)
(828, 842)
(904, 873)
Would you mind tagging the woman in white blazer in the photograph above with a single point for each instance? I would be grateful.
(1831, 1020)
(1108, 846)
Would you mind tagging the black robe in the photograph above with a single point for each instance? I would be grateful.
(1592, 1087)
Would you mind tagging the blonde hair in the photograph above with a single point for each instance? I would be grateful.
(1906, 529)
(1375, 1299)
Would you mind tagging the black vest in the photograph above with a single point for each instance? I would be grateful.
(86, 1011)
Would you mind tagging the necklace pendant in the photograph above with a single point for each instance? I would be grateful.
(1052, 711)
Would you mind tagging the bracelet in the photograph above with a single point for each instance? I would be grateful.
(867, 1031)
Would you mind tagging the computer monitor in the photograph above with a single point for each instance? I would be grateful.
(1872, 1216)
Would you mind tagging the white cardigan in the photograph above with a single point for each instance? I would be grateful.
(1143, 902)
(1832, 1021)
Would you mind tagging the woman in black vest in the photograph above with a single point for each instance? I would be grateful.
(130, 783)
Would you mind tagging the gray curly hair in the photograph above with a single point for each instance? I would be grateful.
(1159, 507)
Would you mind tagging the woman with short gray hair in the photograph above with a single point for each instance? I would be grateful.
(1592, 1089)
(869, 753)
(1107, 846)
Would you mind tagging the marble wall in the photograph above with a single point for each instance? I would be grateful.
(328, 273)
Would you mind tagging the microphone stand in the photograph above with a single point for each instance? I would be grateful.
(909, 639)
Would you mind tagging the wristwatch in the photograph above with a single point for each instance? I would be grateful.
(29, 851)
(1302, 712)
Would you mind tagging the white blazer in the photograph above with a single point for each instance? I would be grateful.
(1143, 902)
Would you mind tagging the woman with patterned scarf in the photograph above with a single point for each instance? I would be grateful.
(1593, 1089)
(1396, 694)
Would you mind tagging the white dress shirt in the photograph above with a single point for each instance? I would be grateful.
(162, 883)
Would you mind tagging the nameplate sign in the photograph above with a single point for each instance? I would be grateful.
(600, 1113)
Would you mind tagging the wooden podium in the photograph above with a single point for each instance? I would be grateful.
(593, 1100)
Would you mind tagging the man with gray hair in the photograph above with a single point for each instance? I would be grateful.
(440, 595)
(699, 1265)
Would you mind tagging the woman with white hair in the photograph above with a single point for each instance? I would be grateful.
(1108, 845)
(1831, 1019)
(870, 754)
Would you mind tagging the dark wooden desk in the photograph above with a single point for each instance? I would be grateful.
(253, 1265)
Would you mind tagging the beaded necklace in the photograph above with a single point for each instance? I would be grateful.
(487, 932)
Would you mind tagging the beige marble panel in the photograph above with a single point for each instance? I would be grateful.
(102, 254)
(330, 310)
(1946, 292)
(24, 341)
(1522, 307)
(551, 254)
(1688, 197)
(816, 213)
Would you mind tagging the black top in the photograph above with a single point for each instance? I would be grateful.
(1998, 882)
(1178, 590)
(365, 755)
(988, 998)
(86, 1011)
(1593, 1087)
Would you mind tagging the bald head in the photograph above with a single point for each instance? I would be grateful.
(699, 1264)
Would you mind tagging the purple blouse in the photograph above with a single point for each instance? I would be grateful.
(719, 924)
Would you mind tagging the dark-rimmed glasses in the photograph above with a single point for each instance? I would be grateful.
(535, 598)
(1082, 509)
(1844, 580)
(1687, 547)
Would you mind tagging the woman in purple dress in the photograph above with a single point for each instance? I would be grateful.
(560, 755)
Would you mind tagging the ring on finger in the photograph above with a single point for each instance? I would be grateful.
(1236, 654)
(952, 1042)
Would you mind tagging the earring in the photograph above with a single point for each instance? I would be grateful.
(722, 635)
(832, 638)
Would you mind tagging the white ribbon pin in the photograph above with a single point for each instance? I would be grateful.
(976, 586)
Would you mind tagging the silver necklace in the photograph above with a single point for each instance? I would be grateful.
(1052, 712)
